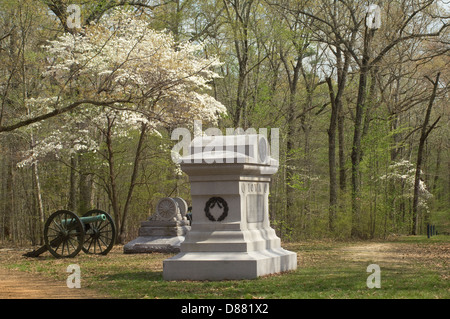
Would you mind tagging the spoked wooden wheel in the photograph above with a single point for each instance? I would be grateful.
(100, 235)
(64, 234)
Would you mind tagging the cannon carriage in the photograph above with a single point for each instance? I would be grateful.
(66, 234)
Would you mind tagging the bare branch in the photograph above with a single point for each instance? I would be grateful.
(405, 38)
(56, 112)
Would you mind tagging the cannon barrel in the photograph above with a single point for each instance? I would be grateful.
(93, 219)
(87, 219)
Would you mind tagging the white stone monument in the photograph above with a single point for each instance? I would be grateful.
(163, 231)
(230, 236)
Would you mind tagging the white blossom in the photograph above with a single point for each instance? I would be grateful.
(403, 173)
(121, 58)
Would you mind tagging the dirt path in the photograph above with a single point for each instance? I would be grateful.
(373, 251)
(402, 255)
(16, 284)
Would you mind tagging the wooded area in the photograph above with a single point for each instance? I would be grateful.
(87, 111)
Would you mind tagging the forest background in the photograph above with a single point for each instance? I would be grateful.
(363, 112)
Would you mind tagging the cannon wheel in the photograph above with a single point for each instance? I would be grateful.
(64, 239)
(100, 235)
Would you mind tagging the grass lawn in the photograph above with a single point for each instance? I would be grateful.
(410, 267)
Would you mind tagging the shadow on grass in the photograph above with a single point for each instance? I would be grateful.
(302, 283)
(135, 276)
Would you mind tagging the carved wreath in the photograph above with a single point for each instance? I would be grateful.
(221, 203)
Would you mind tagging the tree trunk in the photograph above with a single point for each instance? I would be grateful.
(448, 175)
(40, 204)
(341, 154)
(332, 158)
(112, 189)
(6, 192)
(423, 136)
(356, 230)
(290, 147)
(72, 204)
(342, 73)
(240, 24)
(137, 157)
(85, 186)
(293, 77)
(436, 170)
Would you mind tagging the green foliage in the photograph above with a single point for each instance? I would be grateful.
(259, 53)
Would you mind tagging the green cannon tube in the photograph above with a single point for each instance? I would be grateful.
(87, 219)
(92, 219)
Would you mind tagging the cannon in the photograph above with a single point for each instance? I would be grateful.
(66, 234)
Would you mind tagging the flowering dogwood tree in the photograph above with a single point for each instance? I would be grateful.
(402, 173)
(122, 58)
(119, 76)
(120, 62)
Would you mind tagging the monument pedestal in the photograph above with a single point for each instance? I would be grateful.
(230, 236)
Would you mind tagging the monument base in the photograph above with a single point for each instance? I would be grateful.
(158, 236)
(149, 244)
(228, 265)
